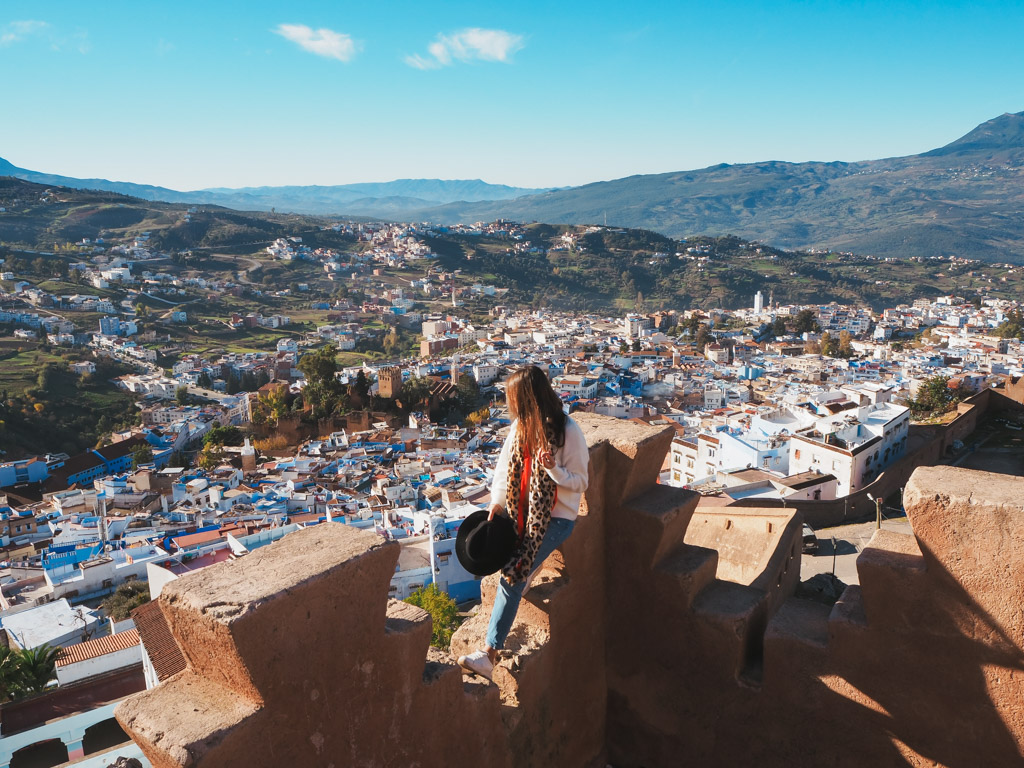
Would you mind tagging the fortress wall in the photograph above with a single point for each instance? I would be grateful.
(630, 650)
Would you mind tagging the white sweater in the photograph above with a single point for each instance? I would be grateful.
(571, 471)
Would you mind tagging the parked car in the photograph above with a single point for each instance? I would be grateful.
(810, 540)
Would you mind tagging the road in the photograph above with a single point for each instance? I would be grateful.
(850, 541)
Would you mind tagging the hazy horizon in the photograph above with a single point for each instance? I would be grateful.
(197, 96)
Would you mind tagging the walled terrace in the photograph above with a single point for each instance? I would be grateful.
(661, 635)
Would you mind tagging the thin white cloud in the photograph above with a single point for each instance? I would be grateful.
(16, 31)
(473, 44)
(323, 42)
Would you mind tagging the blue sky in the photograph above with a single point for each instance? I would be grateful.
(201, 94)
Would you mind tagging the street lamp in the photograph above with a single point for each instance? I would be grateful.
(878, 511)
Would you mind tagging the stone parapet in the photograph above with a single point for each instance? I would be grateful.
(657, 636)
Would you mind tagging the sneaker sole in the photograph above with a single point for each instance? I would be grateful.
(470, 671)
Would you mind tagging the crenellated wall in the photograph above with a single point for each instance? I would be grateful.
(651, 639)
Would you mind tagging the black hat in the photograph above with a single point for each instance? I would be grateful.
(483, 546)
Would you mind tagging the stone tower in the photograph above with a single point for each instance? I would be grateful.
(389, 382)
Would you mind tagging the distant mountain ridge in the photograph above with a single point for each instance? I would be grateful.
(965, 199)
(372, 199)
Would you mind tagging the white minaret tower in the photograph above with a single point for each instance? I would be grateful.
(758, 303)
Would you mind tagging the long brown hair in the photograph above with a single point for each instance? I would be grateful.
(539, 410)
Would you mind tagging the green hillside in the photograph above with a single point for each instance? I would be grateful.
(612, 269)
(964, 199)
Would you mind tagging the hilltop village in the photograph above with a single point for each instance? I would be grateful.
(231, 450)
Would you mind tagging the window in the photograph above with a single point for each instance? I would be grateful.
(796, 454)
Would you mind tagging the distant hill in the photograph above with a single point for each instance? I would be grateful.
(964, 199)
(384, 199)
(607, 269)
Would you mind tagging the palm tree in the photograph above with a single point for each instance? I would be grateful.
(10, 674)
(38, 666)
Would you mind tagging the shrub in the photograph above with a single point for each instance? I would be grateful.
(443, 613)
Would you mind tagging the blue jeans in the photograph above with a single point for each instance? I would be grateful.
(506, 601)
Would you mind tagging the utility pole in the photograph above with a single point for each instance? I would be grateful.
(878, 511)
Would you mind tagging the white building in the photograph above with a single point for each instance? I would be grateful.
(485, 373)
(854, 445)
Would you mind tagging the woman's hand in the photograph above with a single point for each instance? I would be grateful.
(495, 509)
(546, 458)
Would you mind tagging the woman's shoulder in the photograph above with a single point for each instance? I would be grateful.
(571, 425)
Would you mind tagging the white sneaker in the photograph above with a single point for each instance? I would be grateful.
(477, 663)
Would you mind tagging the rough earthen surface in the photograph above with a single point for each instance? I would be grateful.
(642, 644)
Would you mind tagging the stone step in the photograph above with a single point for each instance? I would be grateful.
(737, 617)
(217, 724)
(693, 569)
(665, 514)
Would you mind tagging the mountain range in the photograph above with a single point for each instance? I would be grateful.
(964, 199)
(383, 199)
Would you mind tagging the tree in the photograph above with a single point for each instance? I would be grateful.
(10, 673)
(181, 395)
(126, 598)
(806, 321)
(828, 345)
(322, 392)
(779, 326)
(415, 392)
(468, 394)
(704, 338)
(231, 384)
(845, 348)
(361, 386)
(219, 435)
(248, 382)
(177, 459)
(1012, 327)
(444, 613)
(142, 454)
(270, 406)
(205, 381)
(390, 341)
(37, 667)
(934, 397)
(211, 456)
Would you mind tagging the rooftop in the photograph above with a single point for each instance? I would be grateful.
(101, 646)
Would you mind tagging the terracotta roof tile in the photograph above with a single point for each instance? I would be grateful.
(101, 646)
(160, 645)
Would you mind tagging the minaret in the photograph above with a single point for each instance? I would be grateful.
(455, 369)
(758, 303)
(248, 457)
